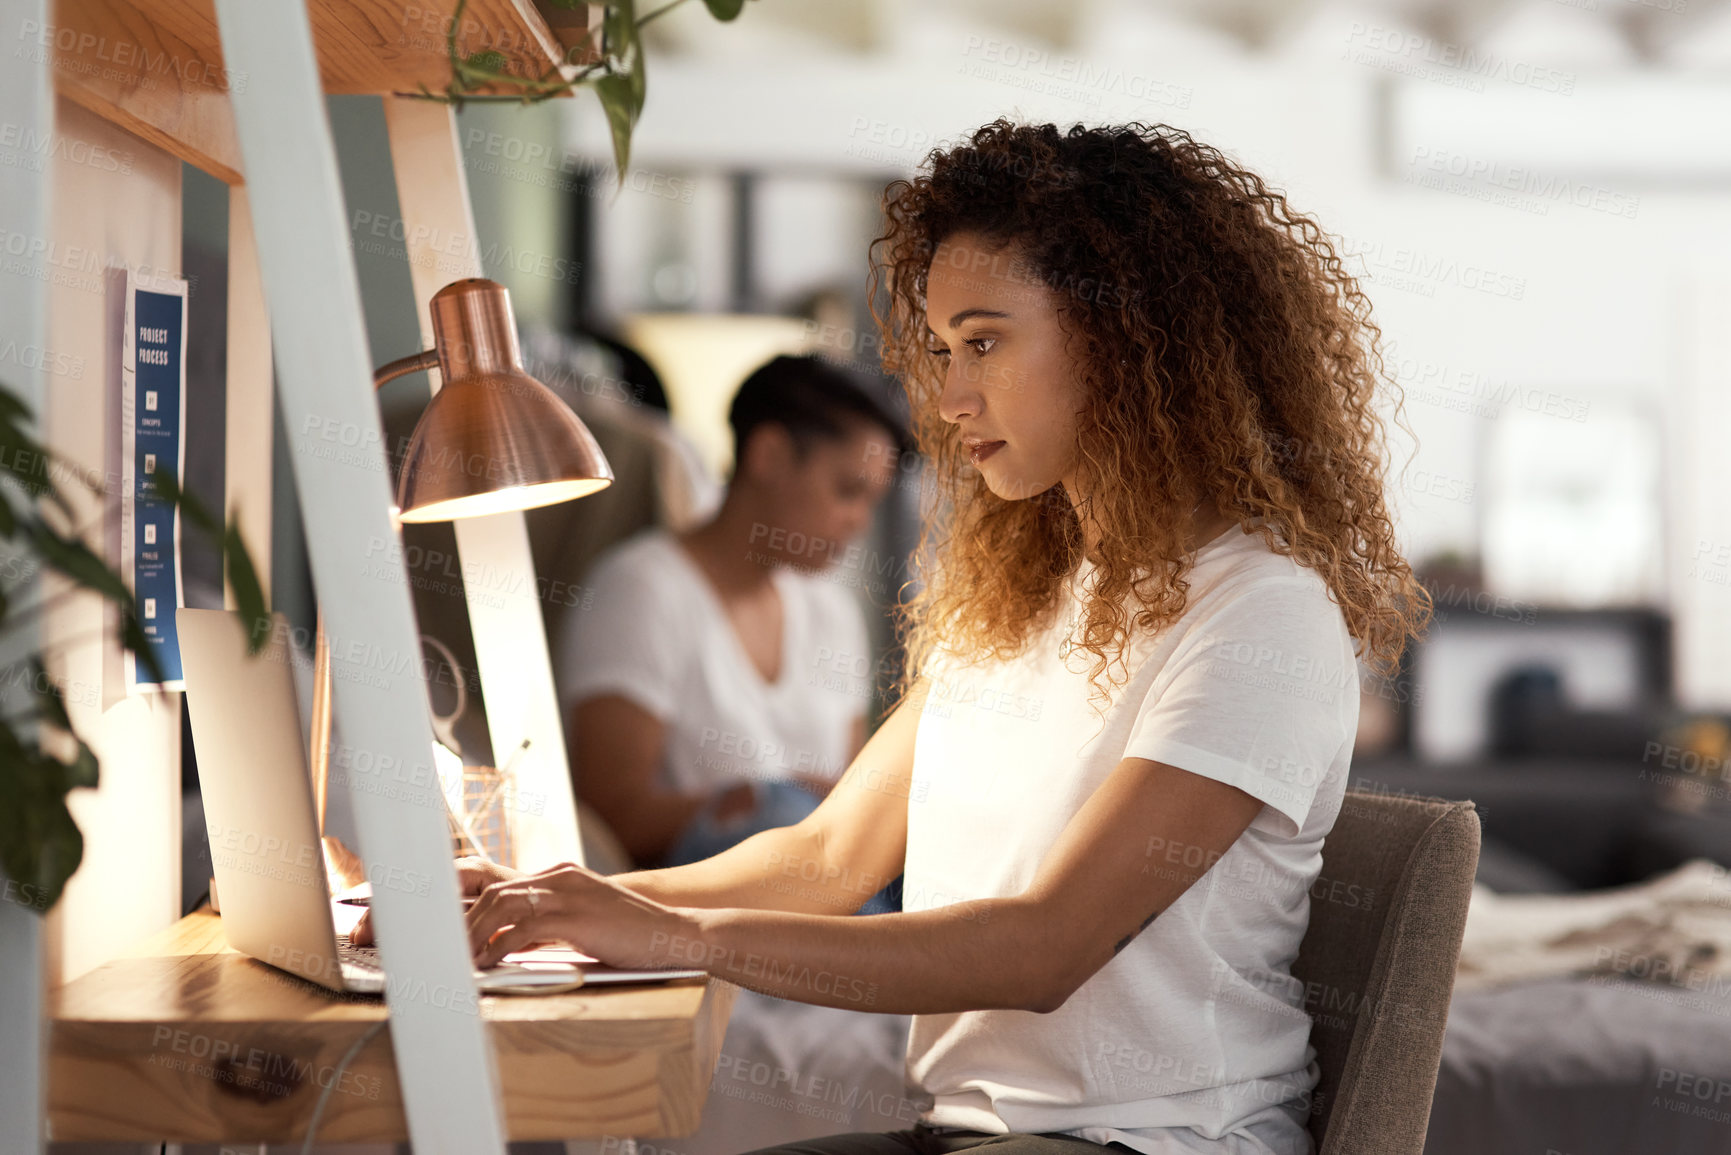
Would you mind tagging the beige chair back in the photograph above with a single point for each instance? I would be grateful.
(1378, 964)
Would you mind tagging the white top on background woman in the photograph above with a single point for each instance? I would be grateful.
(700, 675)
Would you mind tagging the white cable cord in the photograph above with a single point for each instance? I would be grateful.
(342, 1065)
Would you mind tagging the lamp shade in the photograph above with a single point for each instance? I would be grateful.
(493, 438)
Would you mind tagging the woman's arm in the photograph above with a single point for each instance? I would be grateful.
(618, 745)
(844, 852)
(1105, 879)
(841, 854)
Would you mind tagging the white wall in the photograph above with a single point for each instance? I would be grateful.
(128, 885)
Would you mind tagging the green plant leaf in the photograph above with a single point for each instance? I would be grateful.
(40, 845)
(194, 510)
(724, 10)
(25, 459)
(242, 575)
(132, 636)
(639, 75)
(53, 708)
(73, 559)
(248, 593)
(617, 21)
(488, 60)
(12, 407)
(625, 49)
(83, 769)
(614, 92)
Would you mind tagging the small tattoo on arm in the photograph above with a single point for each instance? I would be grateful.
(1125, 941)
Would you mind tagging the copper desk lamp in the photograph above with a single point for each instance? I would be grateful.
(493, 439)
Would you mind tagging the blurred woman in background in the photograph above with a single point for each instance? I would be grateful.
(698, 676)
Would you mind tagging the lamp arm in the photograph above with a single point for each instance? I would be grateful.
(403, 366)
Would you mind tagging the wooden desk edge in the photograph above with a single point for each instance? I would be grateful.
(136, 1053)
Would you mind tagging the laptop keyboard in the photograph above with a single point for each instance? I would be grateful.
(363, 958)
(362, 972)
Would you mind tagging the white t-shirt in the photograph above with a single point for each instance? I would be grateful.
(652, 628)
(1196, 1029)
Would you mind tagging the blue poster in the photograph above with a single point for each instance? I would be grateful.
(153, 413)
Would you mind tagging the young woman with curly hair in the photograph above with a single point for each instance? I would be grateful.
(1146, 389)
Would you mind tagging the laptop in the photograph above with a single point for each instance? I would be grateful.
(264, 839)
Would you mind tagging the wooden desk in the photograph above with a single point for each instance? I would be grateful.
(184, 1039)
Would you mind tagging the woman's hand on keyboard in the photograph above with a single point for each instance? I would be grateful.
(573, 905)
(476, 874)
(473, 876)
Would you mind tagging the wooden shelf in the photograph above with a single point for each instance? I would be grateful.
(156, 68)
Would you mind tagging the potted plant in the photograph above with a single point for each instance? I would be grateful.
(42, 758)
(615, 72)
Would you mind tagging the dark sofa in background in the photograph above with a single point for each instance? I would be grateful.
(1562, 824)
(1555, 722)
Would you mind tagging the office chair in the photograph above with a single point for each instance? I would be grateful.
(1378, 964)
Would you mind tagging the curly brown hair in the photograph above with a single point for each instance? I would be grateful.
(1226, 353)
